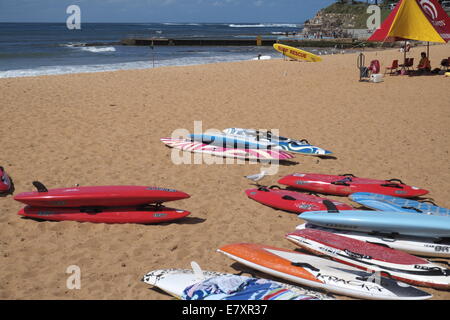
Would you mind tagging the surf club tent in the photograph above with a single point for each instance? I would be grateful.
(421, 20)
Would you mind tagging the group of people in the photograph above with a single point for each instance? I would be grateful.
(424, 65)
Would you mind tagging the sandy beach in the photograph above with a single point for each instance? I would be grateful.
(104, 129)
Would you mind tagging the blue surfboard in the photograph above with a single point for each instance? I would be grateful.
(287, 144)
(383, 222)
(301, 147)
(388, 203)
(232, 141)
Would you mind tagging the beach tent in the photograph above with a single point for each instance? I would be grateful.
(421, 20)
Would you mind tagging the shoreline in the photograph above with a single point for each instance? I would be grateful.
(148, 65)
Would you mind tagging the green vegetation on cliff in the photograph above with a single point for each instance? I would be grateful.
(357, 9)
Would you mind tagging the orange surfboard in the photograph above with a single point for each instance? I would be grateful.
(320, 273)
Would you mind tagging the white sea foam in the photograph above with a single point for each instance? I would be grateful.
(181, 24)
(73, 44)
(98, 49)
(262, 58)
(55, 70)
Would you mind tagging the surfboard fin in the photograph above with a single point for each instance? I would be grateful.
(305, 265)
(197, 271)
(39, 186)
(330, 206)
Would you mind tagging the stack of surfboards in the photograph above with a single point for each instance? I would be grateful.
(353, 259)
(245, 144)
(324, 274)
(416, 227)
(398, 216)
(5, 182)
(293, 201)
(382, 222)
(102, 204)
(405, 222)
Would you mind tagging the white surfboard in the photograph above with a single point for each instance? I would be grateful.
(175, 281)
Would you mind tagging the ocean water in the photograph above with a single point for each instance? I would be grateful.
(30, 49)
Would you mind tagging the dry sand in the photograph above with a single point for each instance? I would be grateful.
(104, 128)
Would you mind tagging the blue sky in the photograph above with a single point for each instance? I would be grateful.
(288, 11)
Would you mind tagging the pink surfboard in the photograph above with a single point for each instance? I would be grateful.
(249, 154)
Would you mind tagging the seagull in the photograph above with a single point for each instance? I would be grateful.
(257, 177)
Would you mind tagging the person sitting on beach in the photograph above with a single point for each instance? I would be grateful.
(424, 63)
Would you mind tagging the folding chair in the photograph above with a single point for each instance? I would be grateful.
(409, 63)
(392, 68)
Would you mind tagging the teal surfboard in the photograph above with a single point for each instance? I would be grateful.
(382, 222)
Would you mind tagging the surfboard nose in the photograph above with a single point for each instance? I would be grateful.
(152, 277)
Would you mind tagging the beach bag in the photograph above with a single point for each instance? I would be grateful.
(374, 66)
(364, 72)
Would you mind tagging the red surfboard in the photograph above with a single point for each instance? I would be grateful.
(343, 185)
(5, 181)
(100, 196)
(148, 215)
(367, 256)
(290, 200)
